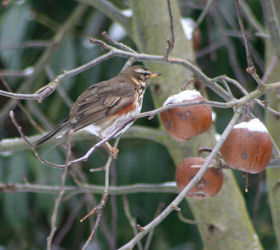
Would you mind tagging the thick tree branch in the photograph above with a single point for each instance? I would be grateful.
(139, 132)
(166, 187)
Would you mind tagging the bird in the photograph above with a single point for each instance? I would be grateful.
(107, 106)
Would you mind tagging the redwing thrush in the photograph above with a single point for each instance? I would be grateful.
(107, 105)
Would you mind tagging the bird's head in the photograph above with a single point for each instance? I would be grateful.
(140, 75)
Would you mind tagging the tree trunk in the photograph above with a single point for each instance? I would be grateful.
(273, 125)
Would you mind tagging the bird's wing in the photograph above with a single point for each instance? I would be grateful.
(101, 100)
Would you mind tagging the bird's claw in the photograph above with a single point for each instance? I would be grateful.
(114, 151)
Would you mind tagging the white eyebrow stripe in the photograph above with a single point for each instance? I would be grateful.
(141, 71)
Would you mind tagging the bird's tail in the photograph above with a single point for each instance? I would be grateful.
(61, 129)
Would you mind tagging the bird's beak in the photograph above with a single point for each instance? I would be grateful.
(154, 74)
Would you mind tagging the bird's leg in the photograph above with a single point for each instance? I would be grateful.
(114, 151)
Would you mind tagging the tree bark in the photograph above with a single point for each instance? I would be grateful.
(273, 125)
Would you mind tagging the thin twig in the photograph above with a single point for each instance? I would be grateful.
(252, 20)
(203, 14)
(27, 44)
(250, 67)
(17, 73)
(233, 60)
(60, 90)
(269, 69)
(114, 208)
(69, 223)
(35, 110)
(102, 203)
(257, 199)
(150, 235)
(110, 10)
(171, 40)
(61, 193)
(190, 221)
(128, 63)
(29, 117)
(118, 44)
(131, 220)
(12, 116)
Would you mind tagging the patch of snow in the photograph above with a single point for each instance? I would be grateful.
(186, 95)
(28, 71)
(127, 12)
(116, 32)
(6, 153)
(214, 116)
(7, 141)
(188, 25)
(253, 125)
(217, 136)
(168, 184)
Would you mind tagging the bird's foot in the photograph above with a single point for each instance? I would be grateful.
(114, 151)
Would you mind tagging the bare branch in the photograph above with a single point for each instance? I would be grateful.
(131, 220)
(61, 193)
(250, 17)
(165, 187)
(29, 117)
(203, 14)
(103, 201)
(183, 193)
(110, 11)
(27, 44)
(118, 44)
(189, 221)
(17, 73)
(30, 145)
(60, 90)
(150, 235)
(251, 67)
(64, 230)
(16, 144)
(171, 40)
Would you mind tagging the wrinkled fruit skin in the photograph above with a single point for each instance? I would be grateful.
(209, 185)
(248, 151)
(184, 123)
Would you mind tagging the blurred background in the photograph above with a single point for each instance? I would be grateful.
(27, 29)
